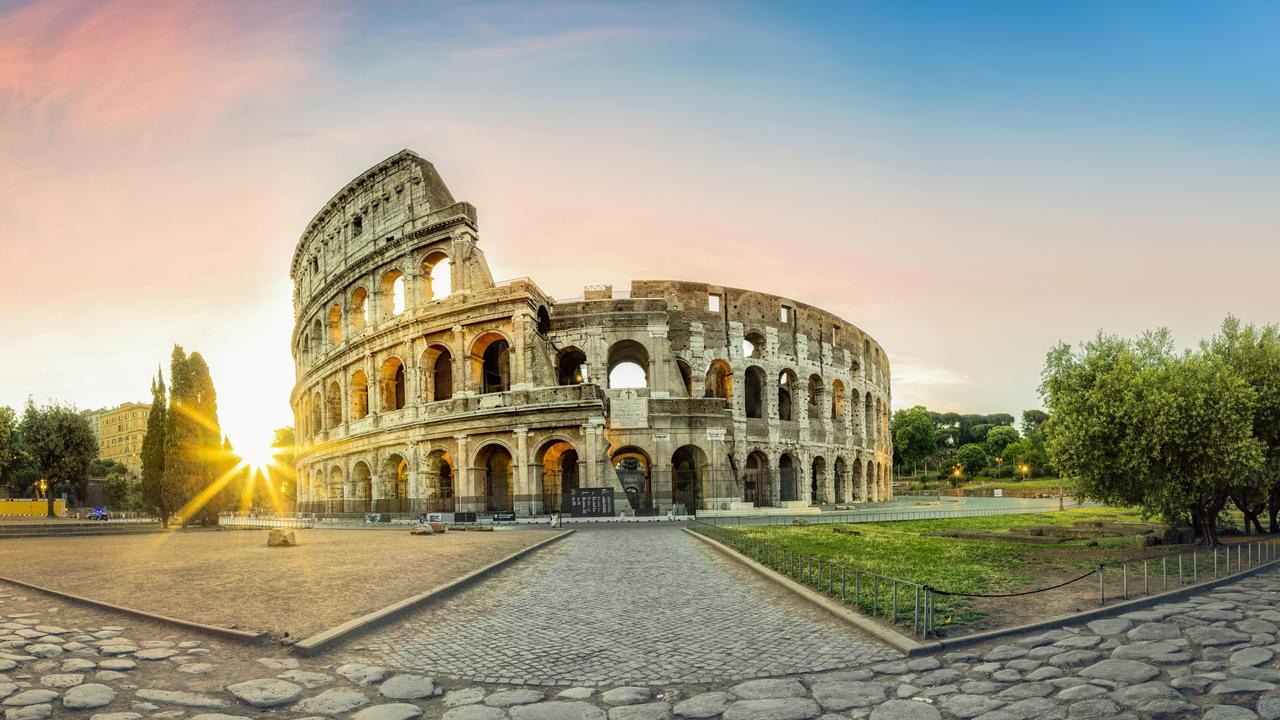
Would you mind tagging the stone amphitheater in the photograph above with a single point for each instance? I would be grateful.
(425, 386)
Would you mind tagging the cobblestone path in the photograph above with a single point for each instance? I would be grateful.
(632, 603)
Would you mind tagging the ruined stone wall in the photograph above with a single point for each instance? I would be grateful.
(497, 397)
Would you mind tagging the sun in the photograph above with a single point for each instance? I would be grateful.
(258, 455)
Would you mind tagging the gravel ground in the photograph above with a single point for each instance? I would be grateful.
(231, 578)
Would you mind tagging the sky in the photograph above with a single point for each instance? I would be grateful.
(970, 183)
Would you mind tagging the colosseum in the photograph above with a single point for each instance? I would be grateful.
(425, 386)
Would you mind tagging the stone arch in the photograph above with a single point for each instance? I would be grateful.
(491, 362)
(753, 345)
(686, 376)
(837, 400)
(317, 338)
(857, 482)
(436, 277)
(437, 365)
(316, 408)
(438, 481)
(359, 395)
(361, 494)
(720, 381)
(391, 293)
(628, 365)
(688, 470)
(495, 469)
(756, 485)
(544, 321)
(755, 390)
(786, 394)
(393, 483)
(840, 482)
(333, 402)
(633, 469)
(788, 478)
(869, 422)
(391, 384)
(571, 366)
(335, 487)
(557, 462)
(335, 324)
(358, 309)
(816, 405)
(819, 492)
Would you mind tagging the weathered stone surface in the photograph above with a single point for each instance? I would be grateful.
(118, 664)
(265, 692)
(1111, 626)
(408, 687)
(474, 712)
(838, 696)
(557, 710)
(509, 698)
(627, 695)
(361, 674)
(332, 702)
(1155, 631)
(644, 711)
(86, 697)
(784, 708)
(280, 537)
(1251, 656)
(61, 680)
(389, 711)
(1004, 652)
(1213, 635)
(1228, 712)
(905, 710)
(29, 712)
(156, 653)
(704, 705)
(768, 688)
(969, 706)
(1126, 671)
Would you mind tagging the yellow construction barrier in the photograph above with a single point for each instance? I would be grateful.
(26, 507)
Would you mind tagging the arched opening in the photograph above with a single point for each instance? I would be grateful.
(335, 324)
(628, 365)
(358, 309)
(334, 491)
(317, 338)
(438, 381)
(544, 321)
(391, 290)
(334, 404)
(857, 484)
(437, 277)
(571, 366)
(720, 381)
(631, 465)
(394, 492)
(755, 480)
(439, 482)
(491, 363)
(359, 395)
(494, 465)
(788, 489)
(753, 345)
(361, 488)
(755, 391)
(392, 382)
(786, 389)
(818, 494)
(869, 423)
(816, 404)
(316, 423)
(686, 479)
(686, 376)
(558, 462)
(841, 482)
(304, 350)
(837, 400)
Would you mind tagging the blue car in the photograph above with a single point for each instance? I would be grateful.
(99, 514)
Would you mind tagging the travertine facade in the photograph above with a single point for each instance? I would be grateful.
(499, 397)
(120, 432)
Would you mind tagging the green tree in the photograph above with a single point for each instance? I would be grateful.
(1136, 423)
(10, 444)
(1032, 421)
(156, 498)
(99, 468)
(971, 458)
(193, 457)
(60, 443)
(1024, 452)
(967, 423)
(978, 433)
(116, 491)
(913, 435)
(999, 438)
(999, 419)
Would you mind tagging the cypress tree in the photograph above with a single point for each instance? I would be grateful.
(153, 452)
(193, 440)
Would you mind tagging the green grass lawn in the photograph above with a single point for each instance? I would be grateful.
(898, 549)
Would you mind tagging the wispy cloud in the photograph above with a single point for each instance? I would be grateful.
(914, 371)
(564, 45)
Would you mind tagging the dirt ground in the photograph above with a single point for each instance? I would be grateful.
(232, 579)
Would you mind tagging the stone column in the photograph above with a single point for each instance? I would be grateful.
(463, 489)
(521, 502)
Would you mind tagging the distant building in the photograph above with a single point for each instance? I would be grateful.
(120, 433)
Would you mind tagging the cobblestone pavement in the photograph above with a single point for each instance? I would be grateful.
(1213, 657)
(629, 604)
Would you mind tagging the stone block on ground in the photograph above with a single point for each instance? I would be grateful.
(279, 537)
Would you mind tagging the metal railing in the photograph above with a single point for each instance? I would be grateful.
(900, 602)
(873, 516)
(234, 520)
(1178, 570)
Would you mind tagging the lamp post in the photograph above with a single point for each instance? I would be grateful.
(44, 490)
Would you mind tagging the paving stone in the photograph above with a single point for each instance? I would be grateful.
(474, 712)
(934, 678)
(156, 653)
(1251, 656)
(1004, 652)
(969, 706)
(118, 664)
(573, 693)
(196, 668)
(1228, 712)
(29, 712)
(903, 710)
(87, 697)
(837, 696)
(1080, 692)
(924, 664)
(408, 687)
(331, 702)
(76, 665)
(308, 680)
(30, 697)
(705, 705)
(1111, 626)
(1211, 635)
(61, 680)
(1074, 658)
(218, 716)
(768, 688)
(265, 692)
(1155, 631)
(390, 711)
(1025, 690)
(280, 663)
(556, 710)
(509, 698)
(363, 674)
(643, 711)
(121, 716)
(1241, 685)
(1127, 671)
(785, 708)
(179, 697)
(626, 695)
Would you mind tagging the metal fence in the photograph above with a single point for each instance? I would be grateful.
(1155, 575)
(871, 516)
(900, 602)
(263, 521)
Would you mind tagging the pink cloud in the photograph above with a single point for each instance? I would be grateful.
(96, 70)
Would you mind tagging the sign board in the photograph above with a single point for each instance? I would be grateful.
(629, 410)
(999, 492)
(464, 517)
(430, 517)
(508, 517)
(591, 502)
(377, 518)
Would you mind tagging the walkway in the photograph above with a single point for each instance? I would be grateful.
(621, 603)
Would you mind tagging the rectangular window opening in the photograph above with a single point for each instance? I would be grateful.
(713, 302)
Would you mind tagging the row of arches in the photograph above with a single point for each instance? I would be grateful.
(434, 281)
